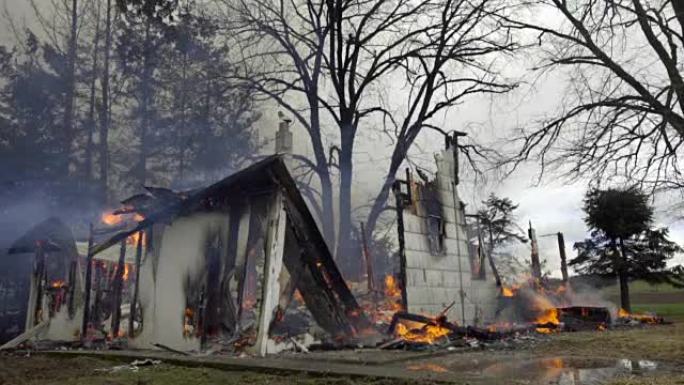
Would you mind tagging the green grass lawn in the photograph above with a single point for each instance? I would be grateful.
(663, 299)
(637, 287)
(671, 311)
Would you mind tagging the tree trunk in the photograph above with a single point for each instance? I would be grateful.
(145, 105)
(381, 199)
(104, 114)
(91, 103)
(70, 87)
(623, 277)
(346, 174)
(679, 12)
(323, 172)
(327, 207)
(181, 128)
(624, 291)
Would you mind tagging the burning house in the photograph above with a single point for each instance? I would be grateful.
(240, 266)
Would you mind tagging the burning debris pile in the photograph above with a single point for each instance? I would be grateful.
(526, 310)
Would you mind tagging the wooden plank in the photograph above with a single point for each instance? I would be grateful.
(273, 265)
(25, 336)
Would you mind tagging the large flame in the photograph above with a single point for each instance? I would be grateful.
(426, 334)
(548, 317)
(391, 287)
(644, 318)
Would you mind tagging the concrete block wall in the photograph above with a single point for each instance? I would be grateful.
(435, 281)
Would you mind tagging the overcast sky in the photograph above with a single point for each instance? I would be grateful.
(552, 206)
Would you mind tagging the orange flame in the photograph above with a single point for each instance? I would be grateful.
(549, 316)
(187, 322)
(427, 334)
(644, 318)
(58, 284)
(133, 239)
(391, 287)
(111, 219)
(507, 292)
(125, 272)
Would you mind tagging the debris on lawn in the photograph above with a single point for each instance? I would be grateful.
(133, 366)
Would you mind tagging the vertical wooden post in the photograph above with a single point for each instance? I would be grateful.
(88, 279)
(134, 303)
(277, 226)
(368, 260)
(563, 257)
(481, 272)
(402, 242)
(534, 254)
(118, 286)
(41, 281)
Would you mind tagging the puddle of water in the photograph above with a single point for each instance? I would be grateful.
(566, 371)
(490, 369)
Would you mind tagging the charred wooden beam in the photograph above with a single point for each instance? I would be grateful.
(88, 283)
(563, 258)
(40, 277)
(399, 202)
(136, 289)
(118, 287)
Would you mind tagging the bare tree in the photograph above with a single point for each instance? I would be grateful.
(334, 56)
(623, 115)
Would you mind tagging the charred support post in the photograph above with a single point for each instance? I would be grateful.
(481, 271)
(71, 289)
(563, 257)
(534, 254)
(40, 279)
(88, 283)
(134, 302)
(118, 286)
(277, 226)
(399, 199)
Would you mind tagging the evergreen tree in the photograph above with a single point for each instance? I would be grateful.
(623, 244)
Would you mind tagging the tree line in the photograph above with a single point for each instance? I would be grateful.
(112, 96)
